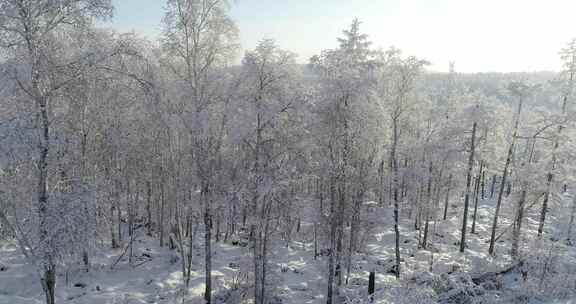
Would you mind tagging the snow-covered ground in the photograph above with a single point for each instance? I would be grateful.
(439, 274)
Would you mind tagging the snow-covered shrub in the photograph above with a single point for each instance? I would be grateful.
(454, 288)
(70, 219)
(549, 271)
(393, 293)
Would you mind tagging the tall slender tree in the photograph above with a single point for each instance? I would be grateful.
(199, 37)
(28, 29)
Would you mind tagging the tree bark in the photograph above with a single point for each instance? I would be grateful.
(550, 175)
(504, 176)
(394, 164)
(493, 186)
(449, 186)
(371, 281)
(49, 282)
(207, 244)
(427, 208)
(572, 216)
(476, 195)
(544, 209)
(331, 259)
(517, 225)
(162, 207)
(149, 208)
(468, 182)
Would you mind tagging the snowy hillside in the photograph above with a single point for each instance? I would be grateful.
(438, 275)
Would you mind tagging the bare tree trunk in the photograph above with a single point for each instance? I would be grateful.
(504, 176)
(264, 261)
(447, 196)
(544, 209)
(390, 189)
(340, 233)
(184, 235)
(355, 220)
(483, 183)
(550, 175)
(217, 236)
(427, 208)
(149, 208)
(264, 252)
(499, 203)
(371, 281)
(257, 268)
(517, 225)
(191, 238)
(49, 277)
(118, 210)
(261, 251)
(468, 182)
(476, 195)
(49, 282)
(207, 244)
(343, 194)
(333, 223)
(394, 164)
(572, 215)
(493, 186)
(131, 207)
(162, 207)
(315, 242)
(381, 183)
(402, 191)
(112, 230)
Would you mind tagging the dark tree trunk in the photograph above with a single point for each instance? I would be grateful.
(394, 164)
(517, 225)
(371, 281)
(149, 208)
(207, 245)
(447, 196)
(427, 210)
(112, 230)
(493, 186)
(476, 195)
(544, 209)
(550, 175)
(504, 176)
(483, 184)
(49, 282)
(467, 196)
(331, 259)
(162, 207)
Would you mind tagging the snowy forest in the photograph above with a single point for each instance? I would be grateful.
(181, 170)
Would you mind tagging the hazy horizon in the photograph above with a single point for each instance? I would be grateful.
(487, 36)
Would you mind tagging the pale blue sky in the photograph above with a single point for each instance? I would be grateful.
(487, 35)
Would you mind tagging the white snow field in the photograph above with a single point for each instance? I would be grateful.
(439, 274)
